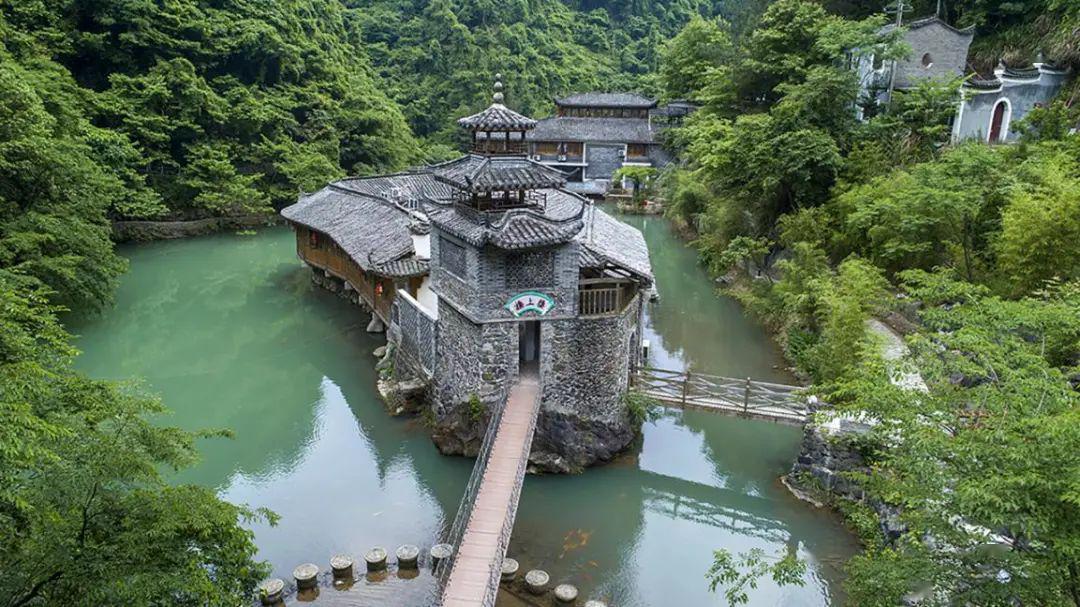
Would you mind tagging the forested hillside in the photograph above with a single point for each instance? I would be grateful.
(822, 223)
(438, 58)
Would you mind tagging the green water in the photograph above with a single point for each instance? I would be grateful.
(230, 332)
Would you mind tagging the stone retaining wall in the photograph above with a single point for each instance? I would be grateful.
(145, 231)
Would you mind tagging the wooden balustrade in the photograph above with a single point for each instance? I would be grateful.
(602, 296)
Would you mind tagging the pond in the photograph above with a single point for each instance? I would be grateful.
(232, 334)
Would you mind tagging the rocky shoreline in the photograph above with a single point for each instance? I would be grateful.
(147, 231)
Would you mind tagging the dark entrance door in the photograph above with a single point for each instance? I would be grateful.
(529, 342)
(996, 122)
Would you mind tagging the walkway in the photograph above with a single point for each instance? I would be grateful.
(474, 578)
(745, 397)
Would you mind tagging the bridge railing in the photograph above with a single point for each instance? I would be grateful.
(701, 390)
(495, 572)
(465, 508)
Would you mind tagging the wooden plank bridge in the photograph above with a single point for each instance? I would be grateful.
(745, 397)
(480, 533)
(485, 519)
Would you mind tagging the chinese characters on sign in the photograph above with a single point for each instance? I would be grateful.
(530, 301)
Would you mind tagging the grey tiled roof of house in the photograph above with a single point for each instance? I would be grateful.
(497, 117)
(486, 174)
(405, 267)
(606, 240)
(559, 220)
(621, 130)
(612, 100)
(369, 230)
(418, 184)
(362, 216)
(924, 21)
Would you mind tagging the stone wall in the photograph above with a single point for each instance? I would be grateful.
(603, 160)
(472, 360)
(584, 371)
(489, 280)
(497, 285)
(413, 331)
(829, 452)
(947, 50)
(978, 109)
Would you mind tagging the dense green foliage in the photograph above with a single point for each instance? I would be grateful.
(85, 516)
(212, 108)
(438, 58)
(830, 222)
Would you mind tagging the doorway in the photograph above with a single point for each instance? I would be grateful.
(529, 343)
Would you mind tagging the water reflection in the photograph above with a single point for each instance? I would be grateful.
(231, 333)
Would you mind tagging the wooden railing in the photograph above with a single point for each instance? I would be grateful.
(745, 397)
(600, 297)
(328, 256)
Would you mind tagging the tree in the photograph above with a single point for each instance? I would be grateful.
(983, 467)
(937, 213)
(1040, 224)
(85, 516)
(686, 61)
(640, 177)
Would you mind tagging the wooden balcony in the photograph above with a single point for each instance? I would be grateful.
(604, 296)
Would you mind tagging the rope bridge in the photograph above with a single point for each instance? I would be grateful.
(747, 397)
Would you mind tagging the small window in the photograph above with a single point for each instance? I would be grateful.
(636, 150)
(313, 239)
(927, 60)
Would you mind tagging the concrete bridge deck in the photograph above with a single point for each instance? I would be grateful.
(474, 578)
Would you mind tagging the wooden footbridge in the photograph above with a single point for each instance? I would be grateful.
(745, 397)
(485, 518)
(480, 533)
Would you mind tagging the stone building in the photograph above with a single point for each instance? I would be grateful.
(992, 105)
(988, 107)
(592, 135)
(937, 51)
(484, 268)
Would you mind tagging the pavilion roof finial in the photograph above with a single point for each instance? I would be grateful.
(497, 117)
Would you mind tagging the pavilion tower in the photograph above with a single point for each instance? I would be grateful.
(498, 130)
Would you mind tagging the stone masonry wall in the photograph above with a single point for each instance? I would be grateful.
(495, 289)
(585, 366)
(472, 359)
(603, 160)
(828, 453)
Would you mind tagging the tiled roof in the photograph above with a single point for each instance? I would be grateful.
(525, 230)
(370, 231)
(405, 267)
(619, 130)
(497, 117)
(559, 220)
(924, 21)
(1030, 73)
(597, 99)
(486, 174)
(616, 243)
(361, 216)
(982, 83)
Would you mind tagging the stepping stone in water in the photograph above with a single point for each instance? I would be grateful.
(537, 581)
(306, 576)
(565, 593)
(376, 559)
(509, 569)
